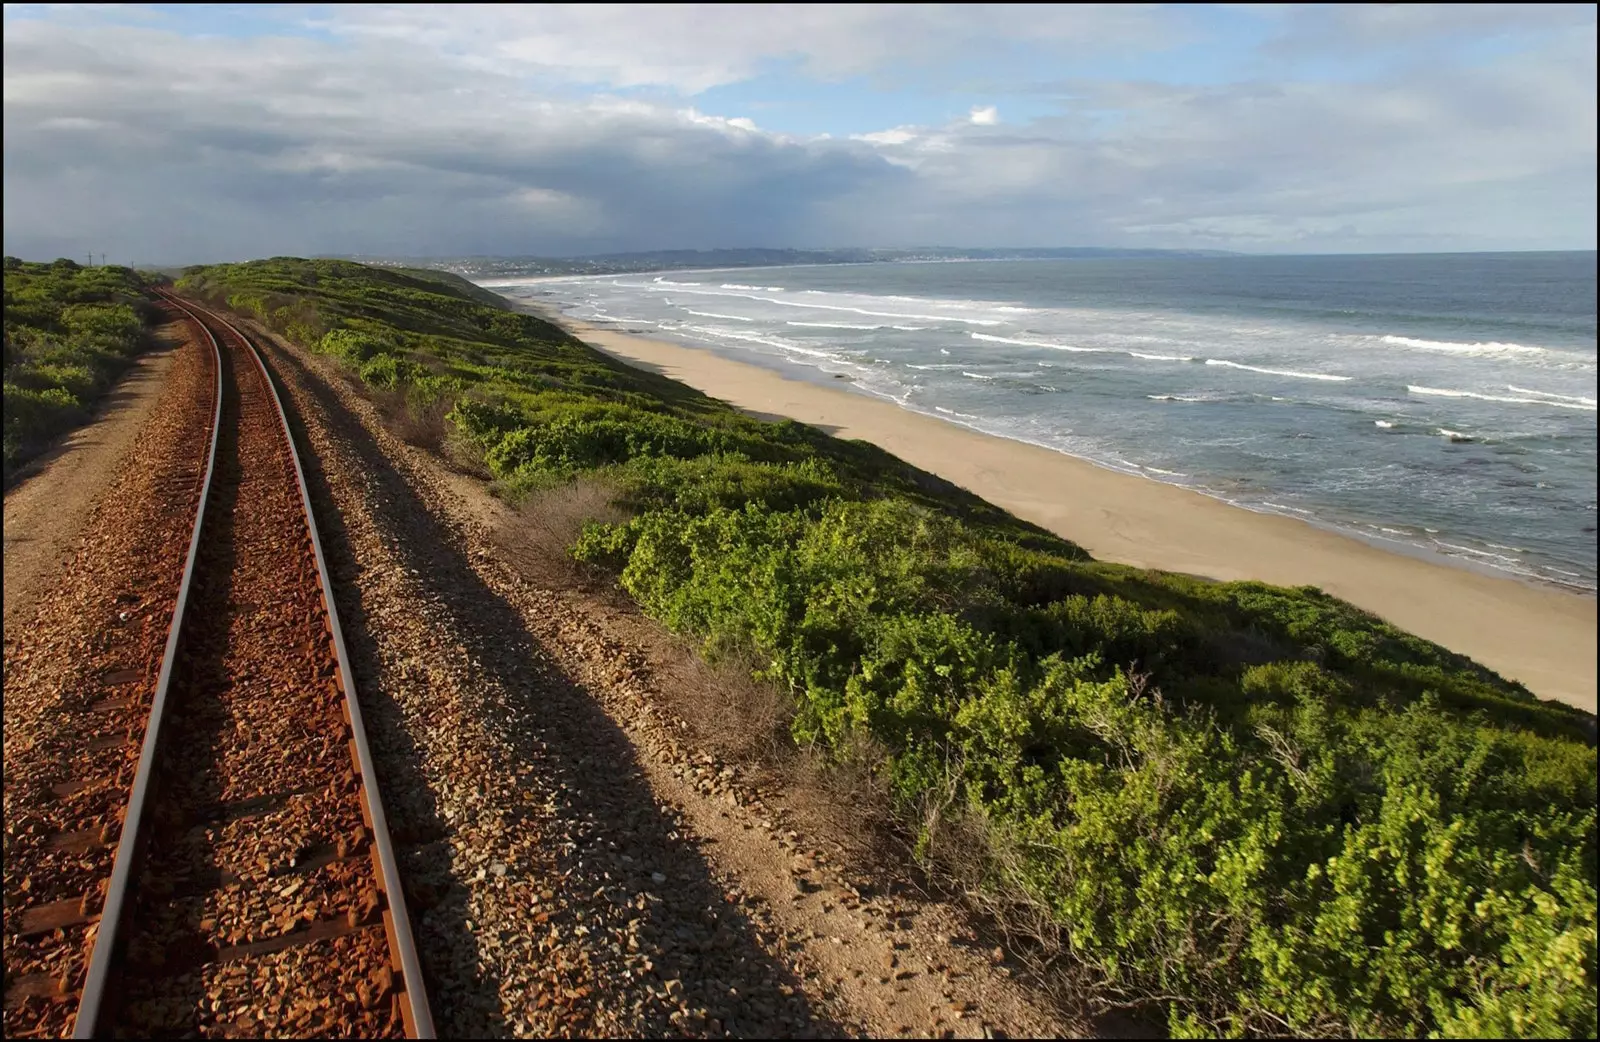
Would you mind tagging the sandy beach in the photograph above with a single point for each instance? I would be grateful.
(1541, 636)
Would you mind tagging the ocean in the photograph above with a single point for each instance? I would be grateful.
(1436, 404)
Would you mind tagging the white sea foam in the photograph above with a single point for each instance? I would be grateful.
(1476, 553)
(663, 281)
(1162, 358)
(1445, 432)
(1037, 343)
(1385, 424)
(713, 314)
(859, 311)
(910, 329)
(782, 345)
(1485, 348)
(1445, 392)
(1296, 374)
(740, 285)
(1179, 398)
(1551, 394)
(831, 325)
(976, 376)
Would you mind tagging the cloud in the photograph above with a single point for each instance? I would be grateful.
(297, 146)
(1343, 28)
(394, 132)
(1497, 156)
(695, 47)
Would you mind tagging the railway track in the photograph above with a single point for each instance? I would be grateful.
(245, 884)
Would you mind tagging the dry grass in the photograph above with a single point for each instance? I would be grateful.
(741, 717)
(424, 426)
(537, 537)
(971, 860)
(421, 425)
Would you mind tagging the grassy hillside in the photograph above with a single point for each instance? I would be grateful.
(1259, 807)
(456, 284)
(69, 332)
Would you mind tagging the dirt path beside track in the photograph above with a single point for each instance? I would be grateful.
(45, 511)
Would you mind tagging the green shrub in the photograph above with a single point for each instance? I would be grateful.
(568, 444)
(116, 323)
(389, 371)
(726, 480)
(485, 423)
(77, 381)
(69, 331)
(353, 347)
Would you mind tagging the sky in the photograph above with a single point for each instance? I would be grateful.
(195, 133)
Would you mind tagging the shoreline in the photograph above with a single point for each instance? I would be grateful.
(1540, 635)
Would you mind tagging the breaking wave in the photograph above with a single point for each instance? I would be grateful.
(1590, 402)
(1295, 373)
(1583, 404)
(1038, 343)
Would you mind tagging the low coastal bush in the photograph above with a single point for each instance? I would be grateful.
(1258, 809)
(69, 332)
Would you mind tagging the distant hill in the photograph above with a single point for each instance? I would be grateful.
(672, 260)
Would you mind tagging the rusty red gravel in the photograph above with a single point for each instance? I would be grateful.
(254, 889)
(79, 680)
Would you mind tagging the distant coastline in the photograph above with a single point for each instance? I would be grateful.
(638, 262)
(708, 260)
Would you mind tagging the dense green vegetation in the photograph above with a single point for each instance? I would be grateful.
(1259, 807)
(69, 331)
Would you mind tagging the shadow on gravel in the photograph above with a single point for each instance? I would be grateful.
(703, 952)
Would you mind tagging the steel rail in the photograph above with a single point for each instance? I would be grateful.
(107, 934)
(418, 1015)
